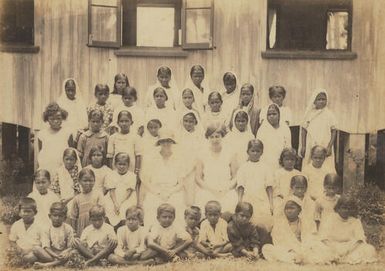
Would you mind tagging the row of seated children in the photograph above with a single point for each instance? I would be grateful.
(57, 243)
(340, 240)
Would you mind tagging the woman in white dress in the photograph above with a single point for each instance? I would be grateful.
(216, 171)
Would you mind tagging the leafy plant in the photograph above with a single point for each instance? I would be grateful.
(371, 210)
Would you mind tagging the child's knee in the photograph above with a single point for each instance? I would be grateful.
(148, 254)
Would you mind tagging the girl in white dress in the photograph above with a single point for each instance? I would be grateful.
(101, 171)
(247, 102)
(162, 110)
(240, 135)
(319, 128)
(188, 103)
(344, 235)
(216, 171)
(65, 183)
(129, 97)
(197, 85)
(283, 175)
(53, 140)
(163, 178)
(120, 82)
(214, 114)
(316, 171)
(277, 95)
(255, 185)
(292, 242)
(190, 138)
(72, 102)
(121, 191)
(166, 81)
(230, 95)
(274, 135)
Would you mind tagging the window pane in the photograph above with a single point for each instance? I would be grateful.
(198, 25)
(17, 21)
(272, 24)
(337, 30)
(104, 23)
(155, 26)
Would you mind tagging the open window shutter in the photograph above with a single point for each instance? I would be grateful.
(197, 24)
(105, 23)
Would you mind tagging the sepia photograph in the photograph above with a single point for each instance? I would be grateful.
(155, 135)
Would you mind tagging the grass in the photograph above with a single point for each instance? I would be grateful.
(235, 264)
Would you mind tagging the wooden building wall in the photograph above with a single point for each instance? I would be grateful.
(357, 95)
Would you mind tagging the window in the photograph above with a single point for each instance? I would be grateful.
(17, 22)
(316, 25)
(184, 24)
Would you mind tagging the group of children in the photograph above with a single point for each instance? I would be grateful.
(131, 174)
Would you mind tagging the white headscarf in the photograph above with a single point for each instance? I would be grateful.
(199, 96)
(311, 112)
(77, 110)
(198, 127)
(232, 123)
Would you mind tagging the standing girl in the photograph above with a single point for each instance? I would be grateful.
(247, 103)
(216, 171)
(197, 86)
(73, 103)
(188, 102)
(162, 110)
(120, 82)
(129, 98)
(274, 135)
(121, 192)
(277, 95)
(230, 95)
(125, 141)
(215, 115)
(101, 171)
(319, 128)
(66, 181)
(190, 136)
(43, 196)
(150, 137)
(83, 202)
(283, 175)
(102, 92)
(240, 135)
(255, 185)
(92, 137)
(54, 139)
(165, 81)
(316, 171)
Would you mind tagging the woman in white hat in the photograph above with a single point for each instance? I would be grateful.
(163, 179)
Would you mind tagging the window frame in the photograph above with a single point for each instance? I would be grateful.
(202, 45)
(106, 44)
(341, 54)
(25, 46)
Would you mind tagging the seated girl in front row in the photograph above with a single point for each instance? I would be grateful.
(344, 235)
(292, 242)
